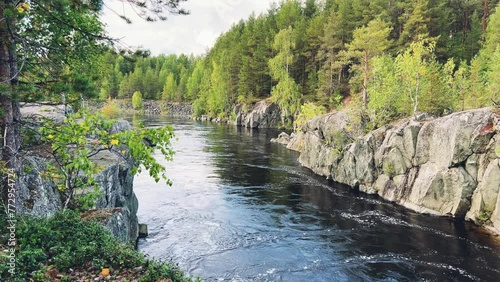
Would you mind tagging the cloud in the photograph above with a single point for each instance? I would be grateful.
(191, 34)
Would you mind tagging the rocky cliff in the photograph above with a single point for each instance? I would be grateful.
(38, 195)
(448, 166)
(261, 115)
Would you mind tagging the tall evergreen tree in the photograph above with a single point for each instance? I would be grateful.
(415, 23)
(333, 41)
(369, 41)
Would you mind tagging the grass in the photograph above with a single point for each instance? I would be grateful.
(67, 248)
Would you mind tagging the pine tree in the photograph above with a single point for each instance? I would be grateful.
(288, 14)
(492, 35)
(415, 23)
(332, 43)
(369, 41)
(314, 35)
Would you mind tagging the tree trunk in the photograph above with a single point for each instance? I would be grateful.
(330, 82)
(417, 90)
(486, 12)
(365, 81)
(11, 114)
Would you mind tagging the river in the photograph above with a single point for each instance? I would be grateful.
(242, 209)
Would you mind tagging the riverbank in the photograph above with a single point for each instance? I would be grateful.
(150, 107)
(445, 166)
(261, 114)
(243, 209)
(68, 247)
(87, 234)
(397, 164)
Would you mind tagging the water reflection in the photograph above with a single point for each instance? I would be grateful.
(241, 209)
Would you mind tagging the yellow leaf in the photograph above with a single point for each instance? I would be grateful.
(26, 6)
(20, 9)
(105, 272)
(114, 142)
(50, 136)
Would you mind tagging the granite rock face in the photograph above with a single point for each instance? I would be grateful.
(38, 195)
(262, 115)
(116, 186)
(448, 166)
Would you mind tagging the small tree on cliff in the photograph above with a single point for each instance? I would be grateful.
(74, 143)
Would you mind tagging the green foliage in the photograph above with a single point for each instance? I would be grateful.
(493, 76)
(484, 216)
(332, 42)
(307, 112)
(415, 25)
(339, 140)
(415, 81)
(194, 81)
(368, 42)
(82, 136)
(57, 45)
(142, 153)
(157, 270)
(329, 51)
(217, 96)
(388, 169)
(386, 100)
(286, 93)
(111, 109)
(169, 89)
(492, 35)
(137, 100)
(497, 152)
(65, 241)
(414, 71)
(461, 85)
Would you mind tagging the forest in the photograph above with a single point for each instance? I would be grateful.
(386, 59)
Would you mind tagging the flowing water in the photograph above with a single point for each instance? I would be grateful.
(242, 209)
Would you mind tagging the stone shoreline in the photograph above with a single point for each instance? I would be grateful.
(447, 166)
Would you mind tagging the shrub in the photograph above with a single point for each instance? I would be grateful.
(111, 109)
(65, 241)
(307, 112)
(388, 169)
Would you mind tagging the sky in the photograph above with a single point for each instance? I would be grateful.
(191, 34)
